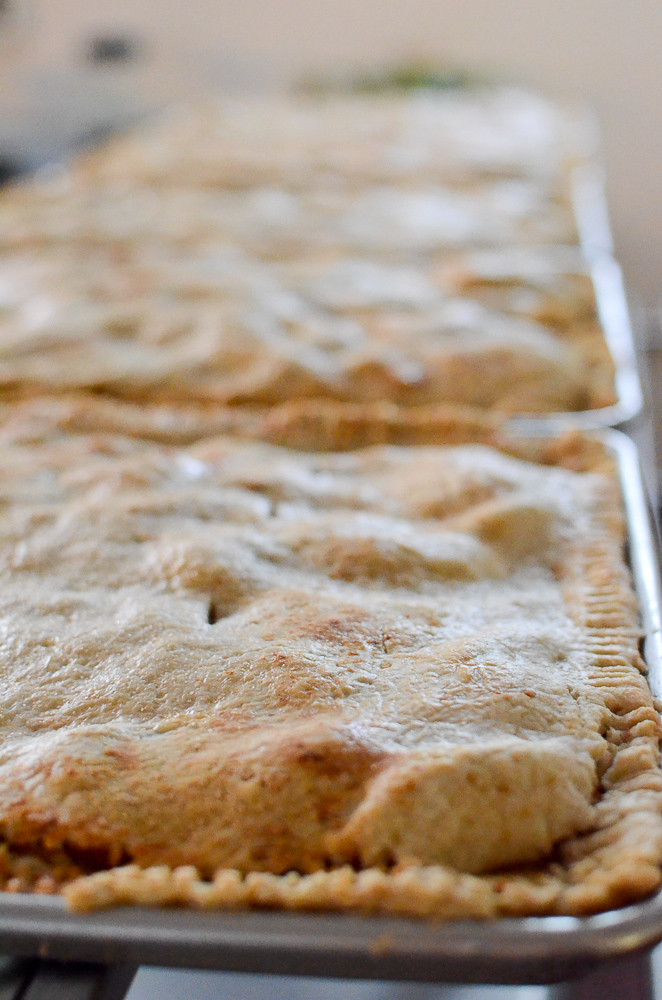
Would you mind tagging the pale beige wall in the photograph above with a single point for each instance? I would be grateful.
(607, 52)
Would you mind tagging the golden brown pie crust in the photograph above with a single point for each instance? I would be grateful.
(282, 678)
(332, 249)
(280, 626)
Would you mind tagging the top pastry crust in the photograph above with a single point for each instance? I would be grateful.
(329, 252)
(214, 325)
(458, 137)
(392, 679)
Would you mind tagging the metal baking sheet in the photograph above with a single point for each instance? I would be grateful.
(614, 316)
(589, 202)
(515, 951)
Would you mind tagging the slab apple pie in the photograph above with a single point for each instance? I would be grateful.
(395, 679)
(249, 253)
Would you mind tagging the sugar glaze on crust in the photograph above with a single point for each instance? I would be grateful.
(275, 678)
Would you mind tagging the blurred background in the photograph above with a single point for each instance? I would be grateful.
(72, 69)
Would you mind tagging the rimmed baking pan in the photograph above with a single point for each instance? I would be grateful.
(516, 951)
(614, 317)
(589, 203)
(590, 208)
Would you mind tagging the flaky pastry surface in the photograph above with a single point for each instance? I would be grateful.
(251, 253)
(400, 679)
